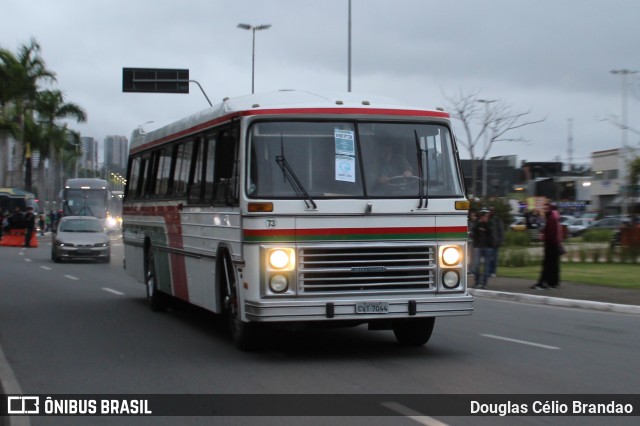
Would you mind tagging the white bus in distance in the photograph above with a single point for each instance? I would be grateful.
(279, 208)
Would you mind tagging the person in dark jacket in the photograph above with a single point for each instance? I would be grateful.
(29, 226)
(483, 242)
(16, 219)
(552, 239)
(498, 239)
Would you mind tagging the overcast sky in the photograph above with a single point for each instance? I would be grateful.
(552, 57)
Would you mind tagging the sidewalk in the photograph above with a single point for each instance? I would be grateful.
(573, 295)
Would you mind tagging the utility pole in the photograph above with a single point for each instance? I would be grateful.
(623, 193)
(349, 51)
(570, 145)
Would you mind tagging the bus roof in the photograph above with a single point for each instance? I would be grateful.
(15, 192)
(86, 183)
(281, 102)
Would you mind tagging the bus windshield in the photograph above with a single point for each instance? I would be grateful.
(351, 160)
(86, 202)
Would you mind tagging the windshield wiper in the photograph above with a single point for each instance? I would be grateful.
(423, 199)
(290, 176)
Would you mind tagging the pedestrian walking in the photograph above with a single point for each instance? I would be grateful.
(552, 239)
(29, 226)
(482, 249)
(41, 224)
(498, 237)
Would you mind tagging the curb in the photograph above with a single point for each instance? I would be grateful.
(556, 301)
(9, 386)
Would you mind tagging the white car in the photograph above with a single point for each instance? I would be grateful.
(578, 226)
(565, 219)
(81, 237)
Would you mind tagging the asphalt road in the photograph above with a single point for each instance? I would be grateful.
(84, 328)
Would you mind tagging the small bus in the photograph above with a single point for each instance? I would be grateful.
(276, 209)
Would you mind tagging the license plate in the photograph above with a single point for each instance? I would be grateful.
(372, 308)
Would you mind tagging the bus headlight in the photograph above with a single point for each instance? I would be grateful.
(451, 255)
(278, 283)
(281, 259)
(450, 279)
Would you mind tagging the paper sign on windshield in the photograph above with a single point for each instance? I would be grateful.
(344, 142)
(345, 168)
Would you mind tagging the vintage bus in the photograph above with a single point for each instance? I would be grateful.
(272, 208)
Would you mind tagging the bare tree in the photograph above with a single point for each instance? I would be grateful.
(496, 119)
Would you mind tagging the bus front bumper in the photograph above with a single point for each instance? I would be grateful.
(364, 310)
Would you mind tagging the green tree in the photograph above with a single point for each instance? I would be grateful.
(21, 75)
(56, 140)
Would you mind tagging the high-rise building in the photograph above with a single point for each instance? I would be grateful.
(116, 151)
(89, 153)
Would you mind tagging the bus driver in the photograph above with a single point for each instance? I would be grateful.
(391, 165)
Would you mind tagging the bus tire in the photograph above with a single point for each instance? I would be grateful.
(245, 335)
(158, 301)
(413, 332)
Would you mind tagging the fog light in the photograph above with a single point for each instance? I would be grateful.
(278, 283)
(451, 279)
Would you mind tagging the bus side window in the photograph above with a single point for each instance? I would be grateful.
(181, 166)
(132, 179)
(163, 172)
(209, 167)
(142, 178)
(225, 161)
(194, 189)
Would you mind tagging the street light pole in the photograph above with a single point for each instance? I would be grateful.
(486, 103)
(624, 73)
(349, 50)
(253, 28)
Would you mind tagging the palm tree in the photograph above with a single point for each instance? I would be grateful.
(21, 74)
(51, 108)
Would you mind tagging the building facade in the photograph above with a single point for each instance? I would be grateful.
(116, 152)
(609, 185)
(89, 154)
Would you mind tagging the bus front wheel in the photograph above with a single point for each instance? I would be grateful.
(413, 332)
(157, 300)
(245, 335)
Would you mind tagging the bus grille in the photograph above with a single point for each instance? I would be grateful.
(366, 269)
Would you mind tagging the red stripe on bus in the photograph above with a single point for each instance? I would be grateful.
(171, 216)
(178, 267)
(350, 231)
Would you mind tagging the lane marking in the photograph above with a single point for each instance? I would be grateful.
(522, 342)
(110, 290)
(46, 268)
(27, 260)
(412, 414)
(71, 277)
